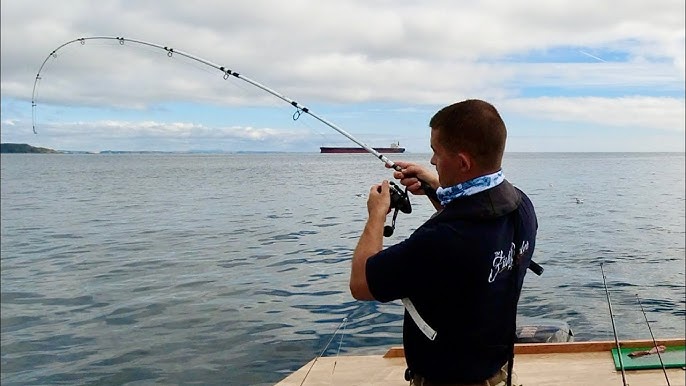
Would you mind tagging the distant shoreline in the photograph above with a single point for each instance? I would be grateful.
(23, 148)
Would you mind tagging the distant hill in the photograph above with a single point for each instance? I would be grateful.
(24, 148)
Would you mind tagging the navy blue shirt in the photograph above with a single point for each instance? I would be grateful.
(457, 271)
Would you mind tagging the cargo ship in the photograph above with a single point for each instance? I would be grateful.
(394, 148)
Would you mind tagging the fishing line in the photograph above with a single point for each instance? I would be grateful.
(340, 345)
(614, 329)
(341, 325)
(664, 370)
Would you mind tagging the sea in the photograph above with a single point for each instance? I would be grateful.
(232, 269)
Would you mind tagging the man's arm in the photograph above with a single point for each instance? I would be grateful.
(371, 240)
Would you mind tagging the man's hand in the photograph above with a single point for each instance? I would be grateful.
(379, 201)
(411, 174)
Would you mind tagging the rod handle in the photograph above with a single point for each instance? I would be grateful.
(429, 191)
(535, 268)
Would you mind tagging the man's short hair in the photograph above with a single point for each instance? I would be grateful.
(475, 127)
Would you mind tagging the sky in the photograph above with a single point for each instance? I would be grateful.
(566, 76)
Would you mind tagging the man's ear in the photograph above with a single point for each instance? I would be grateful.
(464, 162)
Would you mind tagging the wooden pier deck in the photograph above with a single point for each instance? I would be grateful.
(540, 364)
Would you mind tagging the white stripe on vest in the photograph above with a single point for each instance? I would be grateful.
(423, 326)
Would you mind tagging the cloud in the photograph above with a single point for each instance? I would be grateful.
(563, 60)
(635, 111)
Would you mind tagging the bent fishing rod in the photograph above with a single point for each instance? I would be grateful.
(227, 73)
(399, 199)
(402, 203)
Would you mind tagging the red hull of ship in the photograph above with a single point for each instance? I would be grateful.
(361, 150)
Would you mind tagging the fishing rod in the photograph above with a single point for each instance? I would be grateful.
(399, 199)
(227, 73)
(664, 370)
(614, 330)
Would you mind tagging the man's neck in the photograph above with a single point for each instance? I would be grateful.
(469, 187)
(474, 174)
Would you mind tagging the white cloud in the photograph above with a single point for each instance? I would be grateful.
(428, 53)
(642, 112)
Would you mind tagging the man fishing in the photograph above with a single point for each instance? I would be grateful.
(460, 274)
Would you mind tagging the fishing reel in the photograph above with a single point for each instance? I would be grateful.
(400, 201)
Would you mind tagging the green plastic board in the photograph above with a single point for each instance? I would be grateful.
(674, 356)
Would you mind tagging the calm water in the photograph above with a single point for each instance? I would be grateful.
(233, 269)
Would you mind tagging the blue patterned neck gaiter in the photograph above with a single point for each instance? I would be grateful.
(467, 188)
